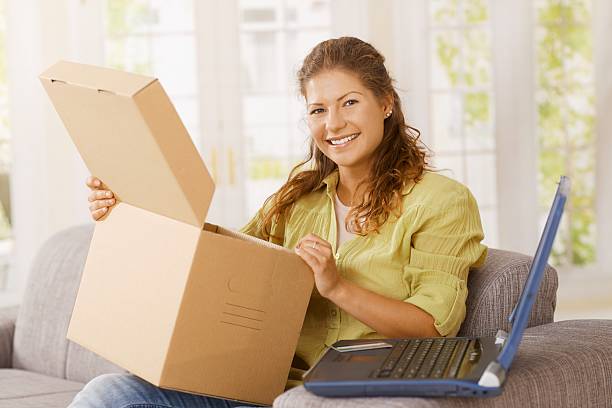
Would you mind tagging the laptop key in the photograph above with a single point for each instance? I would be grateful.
(461, 349)
(405, 359)
(393, 357)
(384, 373)
(430, 358)
(418, 359)
(444, 358)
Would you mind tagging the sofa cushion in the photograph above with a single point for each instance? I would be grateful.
(83, 365)
(562, 364)
(23, 389)
(494, 289)
(40, 343)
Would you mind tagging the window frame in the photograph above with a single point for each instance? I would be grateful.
(515, 123)
(281, 30)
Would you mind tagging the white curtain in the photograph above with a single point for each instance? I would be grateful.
(47, 177)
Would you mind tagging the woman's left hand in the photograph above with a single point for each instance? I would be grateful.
(318, 254)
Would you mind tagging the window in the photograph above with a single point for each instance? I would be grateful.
(566, 121)
(461, 119)
(157, 38)
(275, 35)
(5, 159)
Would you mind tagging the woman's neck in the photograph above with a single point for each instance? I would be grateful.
(346, 190)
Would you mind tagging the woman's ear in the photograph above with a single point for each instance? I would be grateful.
(387, 103)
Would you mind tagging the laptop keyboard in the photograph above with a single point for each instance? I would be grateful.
(424, 358)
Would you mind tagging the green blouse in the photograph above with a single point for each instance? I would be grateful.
(422, 257)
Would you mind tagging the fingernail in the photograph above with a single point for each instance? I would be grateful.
(108, 193)
(104, 209)
(110, 202)
(97, 183)
(297, 250)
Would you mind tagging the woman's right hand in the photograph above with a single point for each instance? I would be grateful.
(101, 200)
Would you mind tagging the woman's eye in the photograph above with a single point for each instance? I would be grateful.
(350, 102)
(315, 111)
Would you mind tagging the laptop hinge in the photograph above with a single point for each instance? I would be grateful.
(500, 337)
(493, 376)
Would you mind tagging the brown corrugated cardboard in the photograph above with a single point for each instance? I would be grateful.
(130, 136)
(184, 304)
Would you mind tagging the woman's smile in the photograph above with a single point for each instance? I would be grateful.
(342, 141)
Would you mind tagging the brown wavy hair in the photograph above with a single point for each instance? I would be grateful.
(400, 158)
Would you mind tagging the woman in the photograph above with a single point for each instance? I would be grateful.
(389, 242)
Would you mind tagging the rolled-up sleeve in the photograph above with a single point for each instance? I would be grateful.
(442, 250)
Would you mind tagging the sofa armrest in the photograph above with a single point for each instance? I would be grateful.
(494, 290)
(8, 317)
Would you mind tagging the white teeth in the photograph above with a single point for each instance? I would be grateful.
(343, 140)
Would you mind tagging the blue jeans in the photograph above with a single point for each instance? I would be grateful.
(129, 391)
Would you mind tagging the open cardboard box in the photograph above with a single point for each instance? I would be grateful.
(183, 304)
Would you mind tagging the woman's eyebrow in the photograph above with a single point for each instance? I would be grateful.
(340, 98)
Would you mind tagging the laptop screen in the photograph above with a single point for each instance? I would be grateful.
(520, 316)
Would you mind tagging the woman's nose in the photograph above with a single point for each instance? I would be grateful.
(335, 121)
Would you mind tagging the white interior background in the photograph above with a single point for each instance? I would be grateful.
(229, 66)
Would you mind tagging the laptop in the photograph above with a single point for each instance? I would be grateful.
(428, 367)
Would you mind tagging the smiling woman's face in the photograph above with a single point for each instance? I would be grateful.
(346, 119)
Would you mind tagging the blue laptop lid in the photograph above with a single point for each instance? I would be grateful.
(520, 315)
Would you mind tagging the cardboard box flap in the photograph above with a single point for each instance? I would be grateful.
(131, 137)
(97, 78)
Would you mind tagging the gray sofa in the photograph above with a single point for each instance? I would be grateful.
(559, 364)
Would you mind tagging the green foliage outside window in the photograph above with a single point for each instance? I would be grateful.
(564, 98)
(265, 168)
(465, 57)
(565, 107)
(262, 168)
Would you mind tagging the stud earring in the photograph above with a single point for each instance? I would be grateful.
(388, 114)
